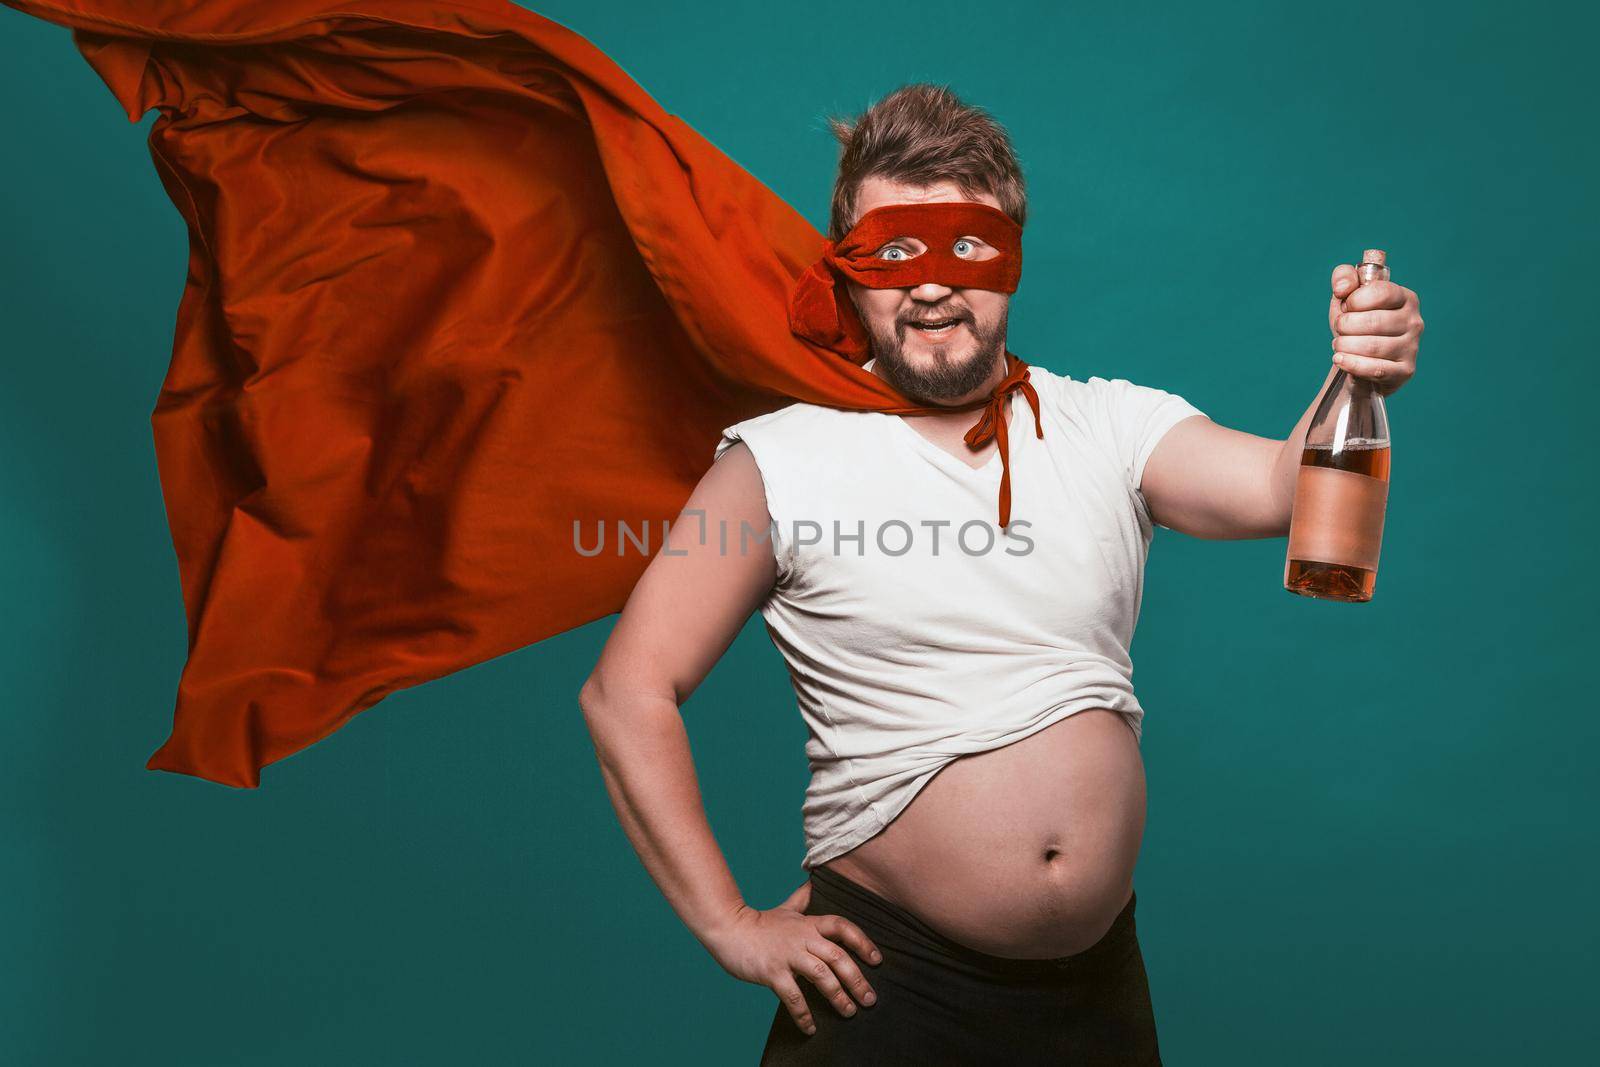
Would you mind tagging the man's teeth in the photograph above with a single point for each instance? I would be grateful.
(941, 324)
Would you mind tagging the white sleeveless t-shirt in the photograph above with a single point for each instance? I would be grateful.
(915, 630)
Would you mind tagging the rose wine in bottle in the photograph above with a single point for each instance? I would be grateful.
(1342, 489)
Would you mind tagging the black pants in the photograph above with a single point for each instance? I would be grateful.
(941, 1002)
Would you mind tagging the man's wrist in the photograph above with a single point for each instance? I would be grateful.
(714, 932)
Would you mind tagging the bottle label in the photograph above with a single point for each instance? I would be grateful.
(1338, 517)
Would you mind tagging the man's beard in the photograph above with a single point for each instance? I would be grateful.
(947, 376)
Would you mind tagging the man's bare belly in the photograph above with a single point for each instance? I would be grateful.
(1025, 850)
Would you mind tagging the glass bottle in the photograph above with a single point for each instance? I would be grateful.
(1342, 488)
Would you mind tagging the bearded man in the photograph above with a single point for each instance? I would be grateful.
(977, 797)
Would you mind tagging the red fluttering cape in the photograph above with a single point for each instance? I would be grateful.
(454, 282)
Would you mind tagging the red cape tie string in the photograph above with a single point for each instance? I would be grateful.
(992, 422)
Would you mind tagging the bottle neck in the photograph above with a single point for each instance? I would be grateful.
(1361, 387)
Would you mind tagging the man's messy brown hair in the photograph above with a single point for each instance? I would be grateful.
(922, 134)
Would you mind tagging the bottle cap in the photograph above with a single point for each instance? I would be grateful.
(1373, 255)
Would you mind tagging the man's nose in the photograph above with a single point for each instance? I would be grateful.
(930, 292)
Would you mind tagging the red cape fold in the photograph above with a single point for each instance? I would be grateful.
(455, 283)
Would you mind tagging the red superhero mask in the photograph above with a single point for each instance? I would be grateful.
(819, 306)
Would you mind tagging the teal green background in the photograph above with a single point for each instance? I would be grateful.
(1370, 831)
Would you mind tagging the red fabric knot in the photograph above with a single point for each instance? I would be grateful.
(992, 424)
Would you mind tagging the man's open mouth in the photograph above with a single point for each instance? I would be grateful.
(935, 327)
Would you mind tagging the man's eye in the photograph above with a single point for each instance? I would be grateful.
(971, 249)
(894, 253)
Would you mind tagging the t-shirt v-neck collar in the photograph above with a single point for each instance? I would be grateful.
(908, 436)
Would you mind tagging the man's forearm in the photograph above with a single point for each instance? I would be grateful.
(645, 760)
(1286, 468)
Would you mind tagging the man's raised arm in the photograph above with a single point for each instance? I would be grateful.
(1207, 480)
